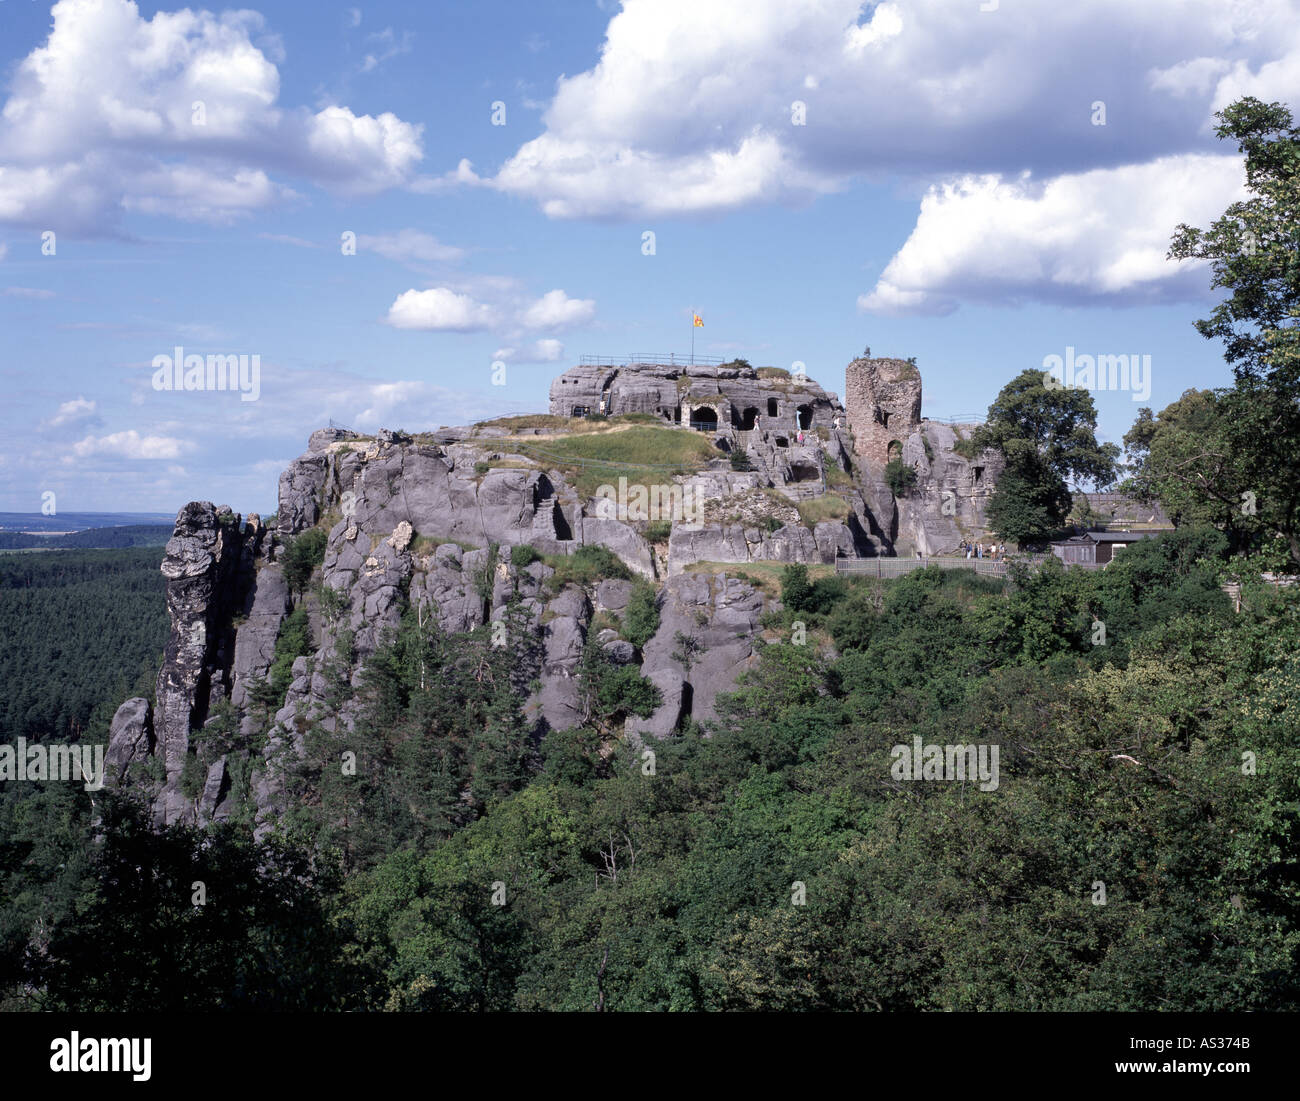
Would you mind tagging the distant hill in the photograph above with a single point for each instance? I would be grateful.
(97, 538)
(79, 521)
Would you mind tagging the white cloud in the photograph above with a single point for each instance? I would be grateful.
(1102, 235)
(463, 175)
(409, 245)
(130, 445)
(540, 351)
(78, 411)
(456, 309)
(361, 154)
(178, 115)
(689, 108)
(411, 404)
(26, 292)
(556, 309)
(188, 191)
(439, 309)
(386, 400)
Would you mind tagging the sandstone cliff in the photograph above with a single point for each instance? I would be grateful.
(425, 524)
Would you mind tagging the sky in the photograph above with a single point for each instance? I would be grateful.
(382, 202)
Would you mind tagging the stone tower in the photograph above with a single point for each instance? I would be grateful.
(882, 398)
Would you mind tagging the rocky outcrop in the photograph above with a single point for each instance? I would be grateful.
(130, 739)
(423, 525)
(948, 504)
(564, 633)
(208, 579)
(706, 637)
(255, 639)
(225, 603)
(737, 543)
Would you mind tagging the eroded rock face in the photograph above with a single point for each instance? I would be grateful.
(130, 738)
(952, 492)
(426, 524)
(721, 614)
(564, 633)
(207, 580)
(255, 639)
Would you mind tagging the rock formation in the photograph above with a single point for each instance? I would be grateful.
(946, 507)
(425, 523)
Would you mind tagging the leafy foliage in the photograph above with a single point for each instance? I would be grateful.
(801, 595)
(1047, 434)
(523, 555)
(303, 554)
(587, 565)
(641, 617)
(1248, 458)
(900, 477)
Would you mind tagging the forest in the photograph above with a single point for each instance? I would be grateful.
(1138, 852)
(125, 535)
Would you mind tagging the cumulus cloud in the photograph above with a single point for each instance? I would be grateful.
(78, 412)
(130, 445)
(690, 107)
(450, 310)
(177, 115)
(1101, 235)
(439, 309)
(556, 309)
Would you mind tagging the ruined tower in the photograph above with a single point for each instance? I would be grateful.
(882, 399)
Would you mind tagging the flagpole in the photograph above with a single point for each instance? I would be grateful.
(692, 336)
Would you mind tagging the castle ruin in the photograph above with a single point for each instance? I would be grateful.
(883, 399)
(954, 484)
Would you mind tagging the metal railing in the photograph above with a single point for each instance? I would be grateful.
(897, 567)
(960, 418)
(654, 359)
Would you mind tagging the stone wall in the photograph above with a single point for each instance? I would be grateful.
(883, 401)
(739, 397)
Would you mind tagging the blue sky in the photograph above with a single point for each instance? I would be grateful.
(947, 193)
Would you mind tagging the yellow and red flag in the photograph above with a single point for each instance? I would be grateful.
(699, 321)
